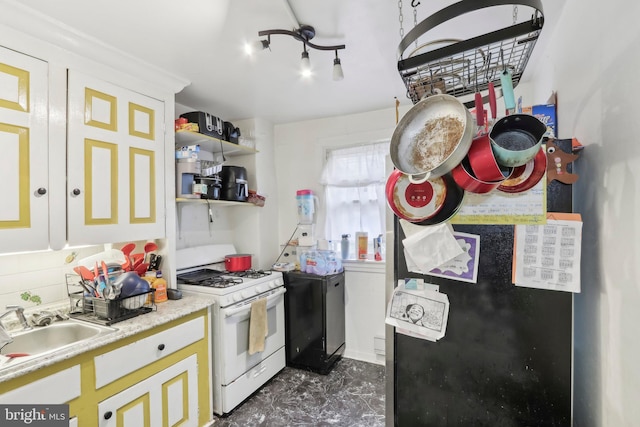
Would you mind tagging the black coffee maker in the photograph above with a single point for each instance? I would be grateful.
(214, 186)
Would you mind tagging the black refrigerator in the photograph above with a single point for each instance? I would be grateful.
(314, 320)
(506, 358)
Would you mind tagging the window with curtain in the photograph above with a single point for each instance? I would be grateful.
(354, 179)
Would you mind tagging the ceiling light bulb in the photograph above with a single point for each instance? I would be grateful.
(337, 70)
(305, 64)
(256, 46)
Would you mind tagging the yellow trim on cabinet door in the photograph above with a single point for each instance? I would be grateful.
(184, 379)
(133, 186)
(146, 408)
(89, 94)
(89, 144)
(24, 178)
(132, 122)
(22, 103)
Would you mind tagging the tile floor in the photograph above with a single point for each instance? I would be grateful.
(352, 395)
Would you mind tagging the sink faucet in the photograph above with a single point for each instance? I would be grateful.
(5, 338)
(19, 313)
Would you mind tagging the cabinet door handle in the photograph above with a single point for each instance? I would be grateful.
(42, 191)
(107, 415)
(161, 347)
(76, 191)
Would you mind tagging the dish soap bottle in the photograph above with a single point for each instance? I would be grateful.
(160, 286)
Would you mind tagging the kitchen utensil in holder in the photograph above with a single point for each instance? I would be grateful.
(446, 66)
(84, 306)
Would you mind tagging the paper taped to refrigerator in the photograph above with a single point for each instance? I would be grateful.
(428, 247)
(423, 313)
(548, 256)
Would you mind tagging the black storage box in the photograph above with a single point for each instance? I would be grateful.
(208, 124)
(231, 133)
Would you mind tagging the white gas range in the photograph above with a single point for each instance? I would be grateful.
(236, 373)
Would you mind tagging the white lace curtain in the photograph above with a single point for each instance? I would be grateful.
(354, 179)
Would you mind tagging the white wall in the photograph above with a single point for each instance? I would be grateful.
(250, 229)
(40, 273)
(592, 62)
(364, 310)
(299, 155)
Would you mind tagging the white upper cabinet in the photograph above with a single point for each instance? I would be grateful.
(85, 155)
(115, 163)
(24, 173)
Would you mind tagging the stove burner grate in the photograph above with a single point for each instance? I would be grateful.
(248, 274)
(218, 282)
(208, 277)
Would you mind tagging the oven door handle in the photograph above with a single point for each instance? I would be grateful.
(271, 301)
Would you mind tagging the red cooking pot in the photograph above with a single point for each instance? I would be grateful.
(237, 262)
(483, 162)
(463, 176)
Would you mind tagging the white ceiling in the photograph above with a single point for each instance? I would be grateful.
(202, 41)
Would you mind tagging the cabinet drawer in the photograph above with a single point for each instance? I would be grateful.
(124, 360)
(57, 388)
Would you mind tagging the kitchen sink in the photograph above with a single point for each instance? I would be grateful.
(47, 339)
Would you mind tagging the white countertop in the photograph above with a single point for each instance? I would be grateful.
(165, 312)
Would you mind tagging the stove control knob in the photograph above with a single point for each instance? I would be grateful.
(280, 281)
(258, 290)
(244, 294)
(237, 297)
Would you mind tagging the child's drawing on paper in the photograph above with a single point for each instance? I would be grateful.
(418, 310)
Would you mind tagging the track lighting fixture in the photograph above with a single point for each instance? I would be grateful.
(305, 63)
(303, 34)
(337, 69)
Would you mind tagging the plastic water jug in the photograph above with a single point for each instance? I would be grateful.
(307, 205)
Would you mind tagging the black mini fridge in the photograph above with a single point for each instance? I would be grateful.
(314, 320)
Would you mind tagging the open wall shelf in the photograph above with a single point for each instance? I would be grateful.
(212, 145)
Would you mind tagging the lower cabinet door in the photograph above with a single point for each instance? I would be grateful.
(168, 398)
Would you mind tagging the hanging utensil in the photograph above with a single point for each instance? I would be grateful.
(492, 91)
(478, 103)
(507, 87)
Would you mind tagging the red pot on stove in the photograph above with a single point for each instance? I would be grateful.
(237, 262)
